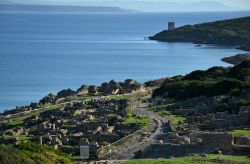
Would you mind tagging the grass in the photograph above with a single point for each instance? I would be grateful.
(23, 138)
(196, 159)
(242, 132)
(32, 153)
(83, 97)
(20, 121)
(16, 122)
(132, 119)
(176, 120)
(243, 101)
(162, 110)
(40, 110)
(165, 111)
(128, 96)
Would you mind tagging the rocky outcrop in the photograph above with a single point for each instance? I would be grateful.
(92, 89)
(108, 88)
(65, 93)
(130, 85)
(50, 98)
(111, 88)
(82, 90)
(237, 59)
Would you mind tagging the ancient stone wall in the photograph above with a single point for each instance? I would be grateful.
(209, 142)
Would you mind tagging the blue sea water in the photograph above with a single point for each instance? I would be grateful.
(47, 52)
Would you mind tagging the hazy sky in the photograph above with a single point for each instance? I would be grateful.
(151, 5)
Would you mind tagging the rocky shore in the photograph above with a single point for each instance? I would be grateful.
(237, 59)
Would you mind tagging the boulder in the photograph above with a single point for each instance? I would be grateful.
(111, 88)
(65, 93)
(104, 86)
(92, 89)
(50, 98)
(34, 105)
(82, 90)
(130, 85)
(114, 85)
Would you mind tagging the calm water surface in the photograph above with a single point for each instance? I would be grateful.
(42, 53)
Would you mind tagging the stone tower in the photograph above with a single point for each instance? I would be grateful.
(171, 26)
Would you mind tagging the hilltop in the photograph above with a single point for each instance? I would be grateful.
(234, 32)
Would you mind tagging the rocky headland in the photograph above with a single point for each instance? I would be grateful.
(237, 59)
(235, 32)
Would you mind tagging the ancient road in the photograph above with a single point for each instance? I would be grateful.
(130, 150)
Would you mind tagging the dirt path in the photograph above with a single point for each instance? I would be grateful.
(130, 150)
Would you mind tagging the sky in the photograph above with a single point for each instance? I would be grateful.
(150, 5)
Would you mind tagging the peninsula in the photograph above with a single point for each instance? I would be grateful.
(237, 59)
(235, 32)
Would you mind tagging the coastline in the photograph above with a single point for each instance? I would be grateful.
(234, 60)
(221, 32)
(43, 78)
(93, 89)
(237, 59)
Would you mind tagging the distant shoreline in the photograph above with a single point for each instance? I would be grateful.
(57, 8)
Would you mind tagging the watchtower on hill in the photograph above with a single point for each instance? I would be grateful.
(171, 26)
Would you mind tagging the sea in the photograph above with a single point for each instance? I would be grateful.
(43, 53)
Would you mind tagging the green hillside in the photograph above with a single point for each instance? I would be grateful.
(31, 153)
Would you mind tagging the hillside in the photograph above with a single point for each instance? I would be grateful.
(212, 82)
(234, 32)
(31, 153)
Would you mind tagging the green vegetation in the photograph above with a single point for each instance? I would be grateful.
(243, 101)
(16, 122)
(176, 121)
(82, 97)
(31, 153)
(212, 82)
(163, 110)
(132, 119)
(194, 88)
(130, 96)
(44, 108)
(229, 32)
(22, 138)
(242, 132)
(20, 120)
(196, 159)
